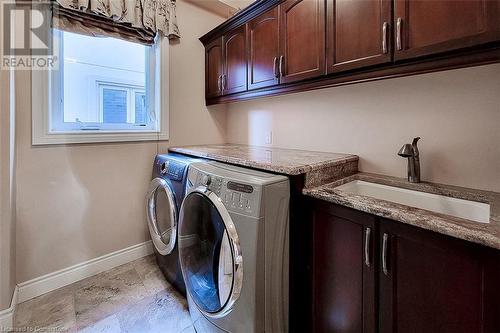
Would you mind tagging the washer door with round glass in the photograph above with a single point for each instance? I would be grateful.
(209, 253)
(162, 216)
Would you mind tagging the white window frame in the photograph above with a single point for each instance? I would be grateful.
(45, 95)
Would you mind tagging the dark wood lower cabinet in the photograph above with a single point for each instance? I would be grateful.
(432, 283)
(417, 281)
(343, 269)
(491, 297)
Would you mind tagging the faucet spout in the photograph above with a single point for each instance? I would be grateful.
(414, 145)
(410, 151)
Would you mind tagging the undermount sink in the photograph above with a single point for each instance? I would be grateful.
(466, 209)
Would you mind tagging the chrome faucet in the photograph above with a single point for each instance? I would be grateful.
(410, 151)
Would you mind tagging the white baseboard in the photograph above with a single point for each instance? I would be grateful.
(52, 281)
(7, 315)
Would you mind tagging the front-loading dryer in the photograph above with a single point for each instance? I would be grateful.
(163, 201)
(233, 248)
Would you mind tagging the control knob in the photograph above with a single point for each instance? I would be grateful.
(164, 167)
(206, 180)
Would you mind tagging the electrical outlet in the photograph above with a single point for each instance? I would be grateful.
(269, 138)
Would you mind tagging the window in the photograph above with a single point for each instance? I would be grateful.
(105, 89)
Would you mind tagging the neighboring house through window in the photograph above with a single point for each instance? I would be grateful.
(122, 104)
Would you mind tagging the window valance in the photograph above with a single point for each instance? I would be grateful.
(133, 20)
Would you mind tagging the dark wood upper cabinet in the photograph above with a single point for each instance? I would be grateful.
(302, 39)
(263, 53)
(213, 68)
(358, 33)
(275, 47)
(226, 64)
(344, 267)
(234, 61)
(427, 27)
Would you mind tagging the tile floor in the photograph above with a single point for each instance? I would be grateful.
(130, 298)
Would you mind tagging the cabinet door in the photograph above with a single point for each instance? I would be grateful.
(428, 282)
(343, 270)
(429, 27)
(358, 33)
(235, 61)
(213, 68)
(302, 39)
(263, 40)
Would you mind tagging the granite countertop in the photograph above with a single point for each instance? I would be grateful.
(482, 233)
(279, 160)
(326, 171)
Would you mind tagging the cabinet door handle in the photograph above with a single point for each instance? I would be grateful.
(384, 37)
(385, 240)
(219, 82)
(399, 23)
(224, 81)
(274, 67)
(368, 233)
(281, 66)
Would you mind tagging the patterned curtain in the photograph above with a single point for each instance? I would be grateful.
(134, 20)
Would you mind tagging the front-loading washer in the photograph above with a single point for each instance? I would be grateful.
(163, 201)
(233, 248)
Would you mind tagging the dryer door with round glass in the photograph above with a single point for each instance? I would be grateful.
(209, 253)
(162, 216)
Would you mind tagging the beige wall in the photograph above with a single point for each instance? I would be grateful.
(78, 202)
(7, 185)
(7, 190)
(190, 120)
(457, 114)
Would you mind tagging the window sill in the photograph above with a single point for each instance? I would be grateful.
(96, 137)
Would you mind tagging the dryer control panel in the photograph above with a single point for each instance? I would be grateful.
(173, 169)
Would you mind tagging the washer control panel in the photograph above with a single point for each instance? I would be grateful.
(235, 195)
(238, 195)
